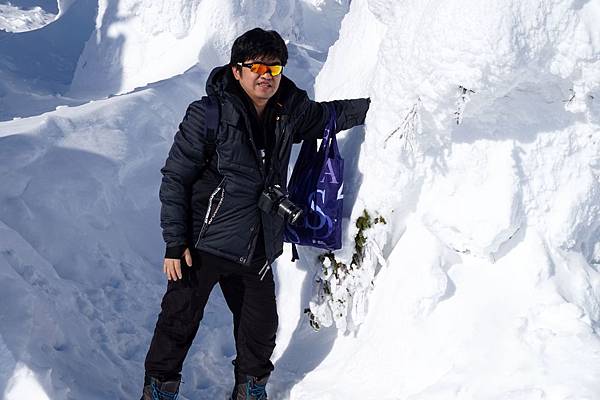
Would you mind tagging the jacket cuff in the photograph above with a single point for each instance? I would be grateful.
(368, 99)
(359, 115)
(175, 252)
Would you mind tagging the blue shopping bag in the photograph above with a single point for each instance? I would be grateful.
(316, 186)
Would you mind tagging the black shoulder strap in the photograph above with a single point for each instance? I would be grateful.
(212, 118)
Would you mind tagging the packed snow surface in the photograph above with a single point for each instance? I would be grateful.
(479, 160)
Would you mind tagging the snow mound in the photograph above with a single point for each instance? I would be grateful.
(481, 150)
(35, 81)
(15, 19)
(136, 42)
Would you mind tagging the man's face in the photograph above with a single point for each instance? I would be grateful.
(260, 88)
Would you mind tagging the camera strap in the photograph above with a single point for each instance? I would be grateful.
(295, 255)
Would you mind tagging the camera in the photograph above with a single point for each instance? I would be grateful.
(274, 201)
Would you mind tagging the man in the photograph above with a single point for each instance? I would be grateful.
(210, 217)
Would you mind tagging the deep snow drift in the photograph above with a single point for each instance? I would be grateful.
(481, 152)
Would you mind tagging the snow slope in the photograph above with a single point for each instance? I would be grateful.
(78, 210)
(481, 151)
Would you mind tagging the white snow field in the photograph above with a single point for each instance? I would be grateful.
(481, 151)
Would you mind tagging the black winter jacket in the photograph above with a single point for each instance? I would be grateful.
(209, 191)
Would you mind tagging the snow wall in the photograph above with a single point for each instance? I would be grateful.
(480, 151)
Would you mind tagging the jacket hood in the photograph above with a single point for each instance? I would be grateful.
(219, 80)
(221, 83)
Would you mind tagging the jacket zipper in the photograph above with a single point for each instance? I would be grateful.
(208, 218)
(252, 243)
(261, 166)
(284, 138)
(278, 149)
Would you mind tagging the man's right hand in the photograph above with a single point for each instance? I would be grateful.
(172, 266)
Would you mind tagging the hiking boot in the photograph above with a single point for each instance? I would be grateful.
(160, 390)
(252, 389)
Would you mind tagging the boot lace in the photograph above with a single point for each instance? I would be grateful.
(257, 391)
(158, 394)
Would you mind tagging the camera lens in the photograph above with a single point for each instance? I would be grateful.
(296, 217)
(289, 211)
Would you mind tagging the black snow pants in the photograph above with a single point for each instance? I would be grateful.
(251, 301)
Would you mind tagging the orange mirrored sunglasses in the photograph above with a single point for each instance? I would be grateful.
(260, 69)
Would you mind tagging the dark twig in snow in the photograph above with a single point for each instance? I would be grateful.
(408, 125)
(464, 97)
(568, 101)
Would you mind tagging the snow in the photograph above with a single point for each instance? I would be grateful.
(481, 151)
(35, 80)
(15, 19)
(23, 385)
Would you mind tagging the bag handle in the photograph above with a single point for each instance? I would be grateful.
(329, 140)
